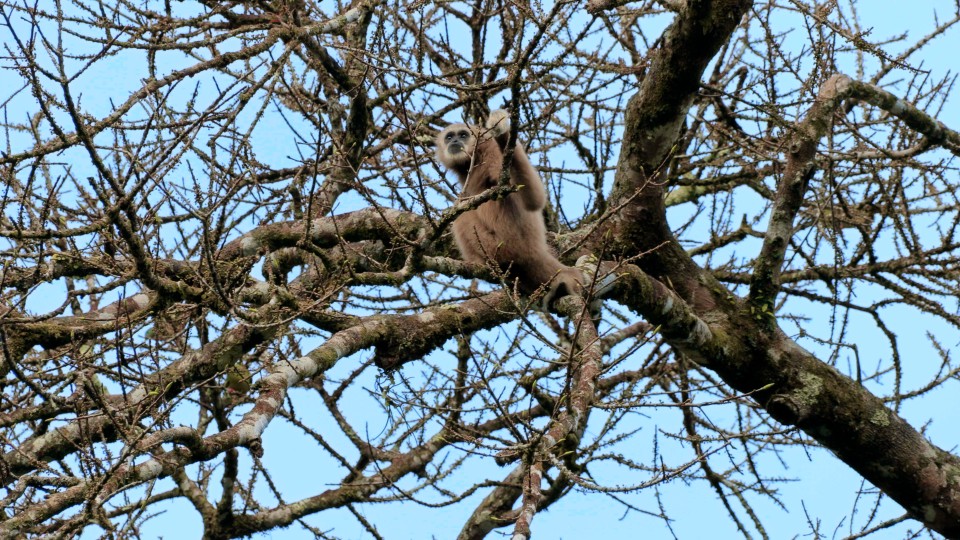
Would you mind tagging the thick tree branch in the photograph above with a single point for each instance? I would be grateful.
(798, 389)
(655, 114)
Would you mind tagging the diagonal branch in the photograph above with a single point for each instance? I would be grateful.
(656, 113)
(801, 163)
(796, 388)
(800, 167)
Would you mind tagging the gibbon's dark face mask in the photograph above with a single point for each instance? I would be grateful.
(456, 141)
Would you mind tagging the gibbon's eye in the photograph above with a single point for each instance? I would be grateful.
(448, 137)
(464, 134)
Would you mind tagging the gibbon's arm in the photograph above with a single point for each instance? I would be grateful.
(533, 195)
(522, 173)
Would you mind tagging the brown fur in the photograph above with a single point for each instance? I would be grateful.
(509, 231)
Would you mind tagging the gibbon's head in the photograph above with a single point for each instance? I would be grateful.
(455, 146)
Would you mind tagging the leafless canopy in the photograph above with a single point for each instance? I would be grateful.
(230, 302)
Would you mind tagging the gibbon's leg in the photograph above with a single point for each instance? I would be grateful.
(539, 268)
(567, 281)
(479, 234)
(466, 235)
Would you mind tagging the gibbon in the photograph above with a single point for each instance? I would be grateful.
(509, 231)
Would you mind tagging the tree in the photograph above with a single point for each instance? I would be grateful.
(225, 236)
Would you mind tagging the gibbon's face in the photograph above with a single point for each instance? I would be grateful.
(456, 142)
